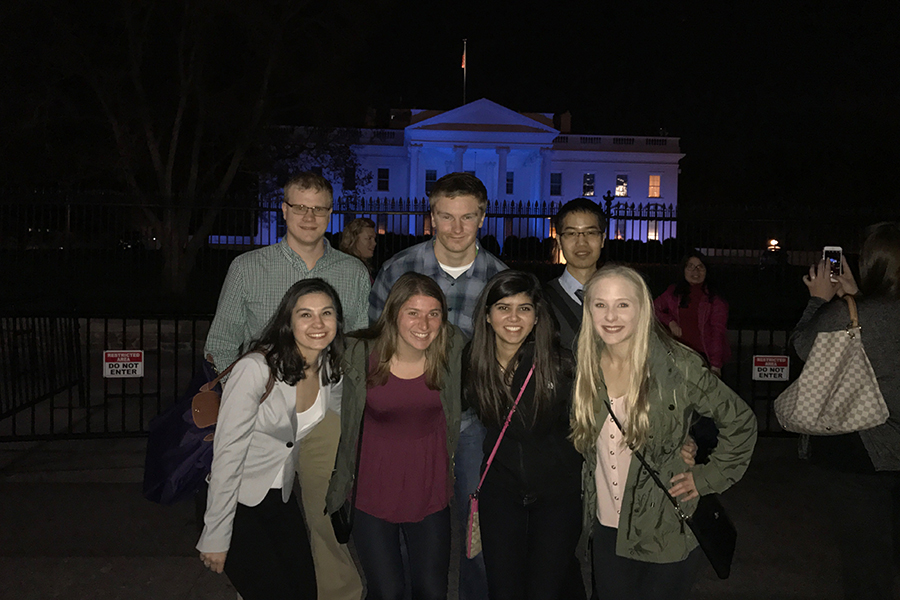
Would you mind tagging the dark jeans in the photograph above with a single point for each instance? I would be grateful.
(428, 543)
(469, 455)
(529, 549)
(861, 509)
(269, 557)
(620, 578)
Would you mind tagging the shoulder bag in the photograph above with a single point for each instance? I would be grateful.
(473, 529)
(837, 391)
(710, 523)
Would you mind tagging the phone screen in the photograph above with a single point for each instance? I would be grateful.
(833, 259)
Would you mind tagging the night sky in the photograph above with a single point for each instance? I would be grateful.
(789, 103)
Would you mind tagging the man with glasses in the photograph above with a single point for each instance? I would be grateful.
(581, 231)
(253, 288)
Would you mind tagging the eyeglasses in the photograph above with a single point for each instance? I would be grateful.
(694, 268)
(301, 210)
(590, 234)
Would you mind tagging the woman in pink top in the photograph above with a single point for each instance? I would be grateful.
(695, 314)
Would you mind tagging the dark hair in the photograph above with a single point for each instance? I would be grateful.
(879, 261)
(683, 288)
(385, 331)
(307, 180)
(460, 184)
(487, 386)
(580, 205)
(277, 341)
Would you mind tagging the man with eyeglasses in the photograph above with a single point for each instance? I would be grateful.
(581, 231)
(253, 288)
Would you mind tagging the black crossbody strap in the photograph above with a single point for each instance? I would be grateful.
(653, 474)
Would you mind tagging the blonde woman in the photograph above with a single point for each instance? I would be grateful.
(653, 385)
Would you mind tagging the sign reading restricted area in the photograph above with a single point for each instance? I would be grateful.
(123, 363)
(771, 368)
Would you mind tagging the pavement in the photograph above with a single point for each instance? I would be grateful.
(74, 525)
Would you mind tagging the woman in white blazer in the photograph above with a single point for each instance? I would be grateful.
(253, 528)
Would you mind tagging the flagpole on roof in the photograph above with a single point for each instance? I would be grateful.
(464, 69)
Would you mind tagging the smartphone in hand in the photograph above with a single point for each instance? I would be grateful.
(832, 257)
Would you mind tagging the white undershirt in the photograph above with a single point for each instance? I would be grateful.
(455, 272)
(306, 420)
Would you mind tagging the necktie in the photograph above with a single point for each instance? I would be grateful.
(580, 295)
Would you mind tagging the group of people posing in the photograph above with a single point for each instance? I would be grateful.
(395, 398)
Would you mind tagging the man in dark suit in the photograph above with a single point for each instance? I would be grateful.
(581, 231)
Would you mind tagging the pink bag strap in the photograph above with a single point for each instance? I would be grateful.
(502, 431)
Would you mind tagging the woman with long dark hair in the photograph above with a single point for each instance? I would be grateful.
(253, 528)
(628, 368)
(695, 313)
(402, 387)
(530, 501)
(859, 473)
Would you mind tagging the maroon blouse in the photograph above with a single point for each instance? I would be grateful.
(403, 469)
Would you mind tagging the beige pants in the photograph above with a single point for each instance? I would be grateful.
(336, 574)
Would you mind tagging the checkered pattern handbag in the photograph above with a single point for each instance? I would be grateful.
(837, 391)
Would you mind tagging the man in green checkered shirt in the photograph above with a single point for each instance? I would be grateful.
(255, 284)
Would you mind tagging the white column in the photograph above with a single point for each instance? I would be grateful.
(546, 163)
(458, 152)
(414, 150)
(502, 154)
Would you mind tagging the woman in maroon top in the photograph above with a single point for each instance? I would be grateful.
(695, 314)
(401, 386)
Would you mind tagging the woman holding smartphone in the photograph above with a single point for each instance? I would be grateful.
(402, 387)
(631, 370)
(530, 501)
(253, 528)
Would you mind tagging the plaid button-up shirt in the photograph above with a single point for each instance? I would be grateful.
(256, 283)
(461, 292)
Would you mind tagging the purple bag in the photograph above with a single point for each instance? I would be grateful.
(179, 454)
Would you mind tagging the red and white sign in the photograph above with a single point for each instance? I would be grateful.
(771, 367)
(123, 363)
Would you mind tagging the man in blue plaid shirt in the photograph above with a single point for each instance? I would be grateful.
(455, 260)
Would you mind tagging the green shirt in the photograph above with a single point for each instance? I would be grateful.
(256, 283)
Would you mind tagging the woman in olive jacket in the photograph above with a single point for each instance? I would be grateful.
(641, 548)
(407, 405)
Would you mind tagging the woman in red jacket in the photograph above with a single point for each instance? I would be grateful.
(695, 314)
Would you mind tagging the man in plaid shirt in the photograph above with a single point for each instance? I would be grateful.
(254, 287)
(461, 268)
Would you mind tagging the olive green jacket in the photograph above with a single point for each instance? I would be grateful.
(649, 528)
(353, 402)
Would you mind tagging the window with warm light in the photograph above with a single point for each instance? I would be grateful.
(652, 230)
(621, 185)
(653, 191)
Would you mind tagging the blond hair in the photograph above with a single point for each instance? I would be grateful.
(589, 375)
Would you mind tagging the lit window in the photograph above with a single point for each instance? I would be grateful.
(384, 180)
(653, 191)
(652, 230)
(587, 187)
(556, 184)
(621, 185)
(430, 179)
(510, 179)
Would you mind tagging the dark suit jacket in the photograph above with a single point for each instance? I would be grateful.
(567, 311)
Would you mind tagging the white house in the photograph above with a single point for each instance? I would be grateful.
(520, 157)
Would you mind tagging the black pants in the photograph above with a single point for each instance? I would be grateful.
(529, 549)
(620, 578)
(428, 544)
(269, 557)
(861, 508)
